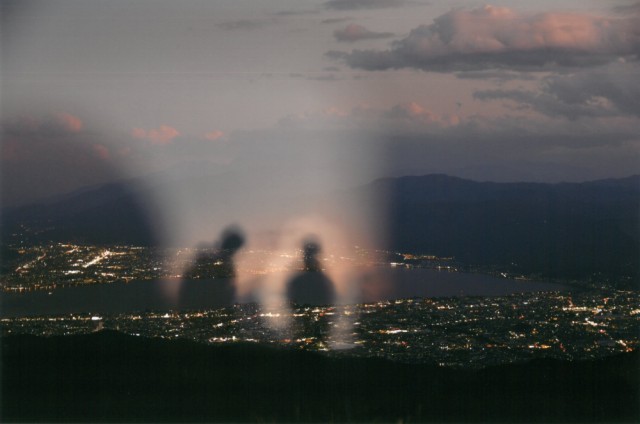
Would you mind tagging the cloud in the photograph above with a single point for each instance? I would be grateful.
(214, 135)
(618, 85)
(414, 112)
(297, 12)
(547, 103)
(163, 135)
(611, 91)
(102, 151)
(495, 75)
(355, 32)
(325, 78)
(70, 122)
(27, 135)
(336, 20)
(243, 24)
(363, 4)
(56, 125)
(41, 156)
(315, 76)
(409, 117)
(408, 138)
(628, 8)
(139, 133)
(497, 37)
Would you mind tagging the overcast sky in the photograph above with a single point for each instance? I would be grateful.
(335, 93)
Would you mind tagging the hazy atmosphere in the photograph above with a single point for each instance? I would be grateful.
(319, 211)
(290, 100)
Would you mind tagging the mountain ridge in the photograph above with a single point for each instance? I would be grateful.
(548, 230)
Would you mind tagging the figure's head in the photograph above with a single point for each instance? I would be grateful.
(232, 239)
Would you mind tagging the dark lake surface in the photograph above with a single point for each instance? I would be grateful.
(202, 294)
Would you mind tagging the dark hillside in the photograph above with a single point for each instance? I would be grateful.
(108, 376)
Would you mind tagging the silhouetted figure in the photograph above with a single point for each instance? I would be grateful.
(216, 269)
(311, 286)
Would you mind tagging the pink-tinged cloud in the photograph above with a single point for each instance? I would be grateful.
(414, 112)
(41, 156)
(70, 122)
(163, 135)
(56, 124)
(101, 151)
(214, 135)
(411, 110)
(139, 133)
(124, 151)
(500, 37)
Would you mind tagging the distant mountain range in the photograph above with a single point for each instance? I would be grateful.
(565, 230)
(112, 377)
(110, 213)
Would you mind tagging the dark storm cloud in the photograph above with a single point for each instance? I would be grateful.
(495, 37)
(610, 91)
(363, 4)
(355, 32)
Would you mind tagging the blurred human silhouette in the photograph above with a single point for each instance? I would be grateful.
(311, 286)
(215, 267)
